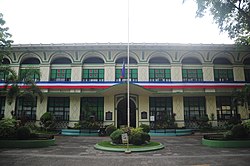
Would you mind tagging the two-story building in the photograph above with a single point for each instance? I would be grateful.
(79, 81)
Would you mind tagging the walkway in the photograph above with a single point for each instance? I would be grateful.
(74, 151)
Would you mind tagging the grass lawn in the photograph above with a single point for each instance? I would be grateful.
(109, 145)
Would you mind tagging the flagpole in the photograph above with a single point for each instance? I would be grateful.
(128, 95)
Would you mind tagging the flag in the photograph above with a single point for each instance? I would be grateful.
(123, 71)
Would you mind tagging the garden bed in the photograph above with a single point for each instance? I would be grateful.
(170, 132)
(30, 143)
(218, 141)
(82, 132)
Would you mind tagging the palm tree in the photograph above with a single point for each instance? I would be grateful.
(241, 98)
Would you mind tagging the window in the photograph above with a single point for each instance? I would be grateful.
(93, 75)
(162, 110)
(247, 75)
(60, 75)
(26, 108)
(224, 109)
(190, 75)
(32, 73)
(3, 75)
(133, 75)
(194, 108)
(159, 75)
(2, 107)
(223, 75)
(59, 107)
(92, 108)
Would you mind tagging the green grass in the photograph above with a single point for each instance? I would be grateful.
(109, 145)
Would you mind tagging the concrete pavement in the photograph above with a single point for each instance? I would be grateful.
(74, 151)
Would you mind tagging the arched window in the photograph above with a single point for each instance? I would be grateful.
(221, 61)
(61, 60)
(125, 60)
(191, 61)
(120, 76)
(5, 61)
(246, 61)
(159, 60)
(94, 60)
(30, 61)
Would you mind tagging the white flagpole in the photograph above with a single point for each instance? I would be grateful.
(128, 72)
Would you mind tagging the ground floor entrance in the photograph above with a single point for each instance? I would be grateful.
(122, 113)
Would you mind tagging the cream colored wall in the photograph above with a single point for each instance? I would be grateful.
(176, 73)
(143, 107)
(178, 110)
(244, 112)
(208, 73)
(109, 72)
(9, 108)
(238, 73)
(41, 108)
(143, 74)
(45, 72)
(109, 106)
(74, 114)
(76, 73)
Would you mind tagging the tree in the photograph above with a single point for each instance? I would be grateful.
(232, 16)
(5, 41)
(12, 81)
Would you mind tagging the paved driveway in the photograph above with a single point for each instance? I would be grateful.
(74, 151)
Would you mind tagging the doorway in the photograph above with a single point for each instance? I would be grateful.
(122, 113)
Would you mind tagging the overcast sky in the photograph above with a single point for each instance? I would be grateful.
(90, 21)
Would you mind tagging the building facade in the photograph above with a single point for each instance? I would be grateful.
(83, 81)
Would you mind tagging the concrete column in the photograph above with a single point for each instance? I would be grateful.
(143, 74)
(109, 107)
(178, 110)
(211, 108)
(41, 107)
(74, 112)
(208, 73)
(76, 73)
(176, 73)
(109, 72)
(244, 112)
(143, 107)
(238, 72)
(45, 72)
(8, 108)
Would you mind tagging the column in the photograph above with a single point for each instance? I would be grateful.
(211, 109)
(143, 74)
(109, 72)
(178, 110)
(41, 107)
(238, 72)
(74, 112)
(143, 107)
(109, 114)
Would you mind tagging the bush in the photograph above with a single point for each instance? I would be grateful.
(232, 122)
(47, 121)
(110, 129)
(23, 132)
(138, 137)
(8, 128)
(145, 128)
(239, 131)
(246, 124)
(116, 136)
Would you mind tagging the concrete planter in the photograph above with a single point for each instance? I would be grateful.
(39, 143)
(226, 143)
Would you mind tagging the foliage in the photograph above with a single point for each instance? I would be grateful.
(246, 124)
(232, 122)
(110, 129)
(5, 41)
(47, 121)
(116, 136)
(239, 131)
(138, 137)
(8, 128)
(240, 97)
(90, 124)
(232, 16)
(145, 128)
(77, 125)
(203, 122)
(23, 132)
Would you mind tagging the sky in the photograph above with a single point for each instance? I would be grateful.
(103, 21)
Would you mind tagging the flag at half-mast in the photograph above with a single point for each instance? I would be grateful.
(123, 71)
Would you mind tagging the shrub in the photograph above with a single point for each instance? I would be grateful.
(110, 129)
(8, 128)
(23, 132)
(239, 131)
(145, 128)
(77, 125)
(246, 124)
(47, 121)
(232, 122)
(116, 136)
(138, 137)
